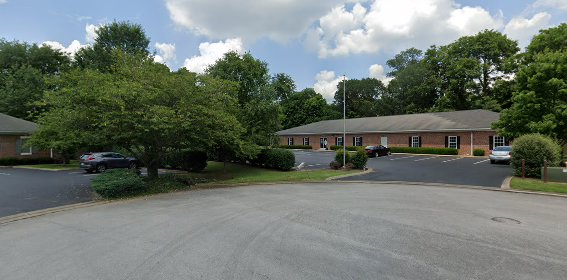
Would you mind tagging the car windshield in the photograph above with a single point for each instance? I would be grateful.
(370, 147)
(503, 149)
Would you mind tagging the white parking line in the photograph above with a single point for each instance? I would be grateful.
(4, 174)
(86, 175)
(78, 172)
(424, 158)
(311, 165)
(481, 161)
(401, 158)
(449, 160)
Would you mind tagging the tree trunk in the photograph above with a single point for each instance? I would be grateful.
(153, 170)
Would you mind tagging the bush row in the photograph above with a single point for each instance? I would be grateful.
(348, 148)
(424, 150)
(11, 161)
(302, 147)
(115, 183)
(478, 152)
(281, 159)
(356, 161)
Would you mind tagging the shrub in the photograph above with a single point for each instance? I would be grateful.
(359, 160)
(478, 152)
(12, 161)
(335, 165)
(339, 157)
(534, 149)
(167, 183)
(348, 148)
(117, 183)
(302, 147)
(423, 150)
(186, 160)
(281, 159)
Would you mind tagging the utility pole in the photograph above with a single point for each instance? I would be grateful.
(344, 121)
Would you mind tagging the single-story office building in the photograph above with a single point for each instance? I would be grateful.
(462, 130)
(13, 135)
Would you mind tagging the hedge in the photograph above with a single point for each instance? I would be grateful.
(280, 159)
(302, 147)
(339, 157)
(423, 150)
(11, 161)
(534, 149)
(348, 148)
(478, 152)
(359, 160)
(117, 183)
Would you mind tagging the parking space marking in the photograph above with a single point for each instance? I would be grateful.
(424, 158)
(4, 174)
(87, 175)
(481, 161)
(78, 172)
(402, 158)
(311, 165)
(449, 160)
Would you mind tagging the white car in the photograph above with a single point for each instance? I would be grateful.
(501, 154)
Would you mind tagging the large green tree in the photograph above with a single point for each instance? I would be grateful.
(25, 69)
(141, 107)
(361, 97)
(124, 37)
(539, 103)
(259, 111)
(306, 107)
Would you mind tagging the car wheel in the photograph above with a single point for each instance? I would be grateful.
(100, 168)
(492, 161)
(89, 171)
(132, 165)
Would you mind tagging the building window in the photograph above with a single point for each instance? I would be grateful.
(306, 141)
(499, 141)
(452, 142)
(416, 141)
(339, 141)
(290, 141)
(357, 141)
(21, 147)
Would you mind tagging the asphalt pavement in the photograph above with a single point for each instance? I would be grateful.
(24, 190)
(303, 231)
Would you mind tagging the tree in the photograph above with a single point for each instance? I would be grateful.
(25, 68)
(283, 85)
(403, 60)
(306, 107)
(125, 37)
(142, 107)
(361, 96)
(259, 111)
(539, 104)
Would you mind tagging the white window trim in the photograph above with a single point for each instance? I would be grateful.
(340, 140)
(358, 141)
(415, 142)
(305, 143)
(455, 142)
(290, 141)
(494, 145)
(28, 152)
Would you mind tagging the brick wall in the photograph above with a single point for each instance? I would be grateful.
(8, 148)
(428, 139)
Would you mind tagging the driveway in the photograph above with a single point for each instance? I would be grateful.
(304, 231)
(475, 171)
(24, 190)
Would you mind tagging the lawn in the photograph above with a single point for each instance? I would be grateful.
(74, 164)
(538, 185)
(242, 174)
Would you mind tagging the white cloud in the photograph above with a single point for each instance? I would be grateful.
(3, 1)
(396, 25)
(523, 29)
(71, 50)
(248, 19)
(90, 30)
(376, 71)
(166, 53)
(326, 84)
(211, 52)
(558, 4)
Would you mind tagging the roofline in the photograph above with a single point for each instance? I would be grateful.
(16, 133)
(393, 131)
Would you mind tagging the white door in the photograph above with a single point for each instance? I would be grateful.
(384, 141)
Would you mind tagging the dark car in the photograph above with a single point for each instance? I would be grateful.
(99, 162)
(377, 151)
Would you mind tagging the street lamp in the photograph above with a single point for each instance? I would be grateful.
(344, 121)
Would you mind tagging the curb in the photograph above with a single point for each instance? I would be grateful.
(44, 169)
(369, 170)
(37, 213)
(506, 183)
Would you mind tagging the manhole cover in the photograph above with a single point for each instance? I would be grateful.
(506, 220)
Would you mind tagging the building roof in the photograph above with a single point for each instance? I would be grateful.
(469, 120)
(14, 126)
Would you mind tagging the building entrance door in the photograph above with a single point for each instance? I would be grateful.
(323, 142)
(384, 141)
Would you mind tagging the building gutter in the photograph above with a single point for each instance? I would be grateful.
(391, 131)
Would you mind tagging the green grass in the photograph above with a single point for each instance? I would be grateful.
(74, 164)
(243, 174)
(538, 185)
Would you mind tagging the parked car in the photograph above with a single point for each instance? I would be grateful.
(99, 162)
(377, 151)
(501, 154)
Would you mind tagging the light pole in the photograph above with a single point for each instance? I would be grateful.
(344, 121)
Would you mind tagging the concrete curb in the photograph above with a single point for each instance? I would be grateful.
(506, 183)
(37, 213)
(45, 169)
(369, 170)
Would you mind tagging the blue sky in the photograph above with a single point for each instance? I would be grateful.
(315, 42)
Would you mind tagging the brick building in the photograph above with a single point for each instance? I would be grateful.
(463, 130)
(13, 135)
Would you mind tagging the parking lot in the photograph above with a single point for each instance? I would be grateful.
(474, 171)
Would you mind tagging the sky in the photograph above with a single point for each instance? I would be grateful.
(316, 42)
